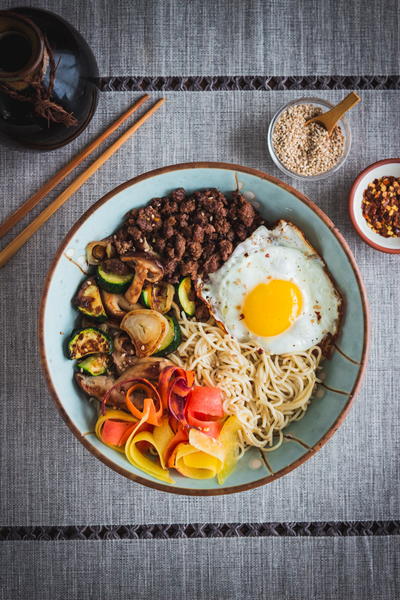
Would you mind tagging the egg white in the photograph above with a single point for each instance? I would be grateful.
(280, 253)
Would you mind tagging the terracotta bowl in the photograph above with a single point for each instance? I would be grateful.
(341, 374)
(382, 168)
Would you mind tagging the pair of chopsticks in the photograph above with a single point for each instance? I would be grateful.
(13, 247)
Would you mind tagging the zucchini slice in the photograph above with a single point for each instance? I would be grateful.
(88, 341)
(186, 296)
(88, 301)
(114, 276)
(171, 339)
(95, 365)
(158, 296)
(145, 296)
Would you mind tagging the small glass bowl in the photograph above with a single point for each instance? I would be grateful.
(343, 124)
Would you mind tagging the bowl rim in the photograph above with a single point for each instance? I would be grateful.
(362, 365)
(352, 195)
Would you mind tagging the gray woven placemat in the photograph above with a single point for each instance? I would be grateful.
(45, 469)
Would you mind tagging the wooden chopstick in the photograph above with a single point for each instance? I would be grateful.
(31, 202)
(13, 247)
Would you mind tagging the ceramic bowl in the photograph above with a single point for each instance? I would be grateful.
(382, 168)
(325, 105)
(341, 374)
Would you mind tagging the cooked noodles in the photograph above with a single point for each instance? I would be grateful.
(264, 391)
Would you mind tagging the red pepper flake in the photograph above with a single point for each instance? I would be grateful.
(318, 315)
(381, 206)
(241, 316)
(267, 255)
(260, 351)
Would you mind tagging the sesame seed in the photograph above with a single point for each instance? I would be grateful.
(306, 149)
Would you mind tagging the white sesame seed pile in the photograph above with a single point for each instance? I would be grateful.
(306, 149)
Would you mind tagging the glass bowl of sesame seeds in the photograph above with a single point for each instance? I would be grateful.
(303, 151)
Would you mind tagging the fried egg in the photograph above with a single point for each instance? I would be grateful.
(274, 290)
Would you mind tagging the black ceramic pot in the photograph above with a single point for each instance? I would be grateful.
(47, 79)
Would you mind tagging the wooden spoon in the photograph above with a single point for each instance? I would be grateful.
(332, 116)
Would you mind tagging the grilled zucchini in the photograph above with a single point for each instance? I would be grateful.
(88, 301)
(88, 341)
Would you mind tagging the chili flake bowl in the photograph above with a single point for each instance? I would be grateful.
(340, 376)
(325, 105)
(382, 168)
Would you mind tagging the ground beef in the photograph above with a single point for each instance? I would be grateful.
(194, 234)
(180, 245)
(114, 265)
(159, 245)
(135, 233)
(213, 263)
(169, 206)
(226, 249)
(241, 232)
(198, 234)
(189, 267)
(188, 206)
(170, 269)
(195, 249)
(122, 241)
(247, 215)
(202, 313)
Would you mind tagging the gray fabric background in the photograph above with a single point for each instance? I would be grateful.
(254, 569)
(47, 477)
(236, 37)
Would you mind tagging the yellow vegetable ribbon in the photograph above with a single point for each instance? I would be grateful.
(207, 444)
(229, 438)
(159, 439)
(201, 458)
(116, 415)
(196, 464)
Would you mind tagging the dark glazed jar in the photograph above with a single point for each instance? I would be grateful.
(47, 90)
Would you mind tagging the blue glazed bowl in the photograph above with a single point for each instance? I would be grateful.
(341, 374)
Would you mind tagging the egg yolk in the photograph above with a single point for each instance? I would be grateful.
(271, 308)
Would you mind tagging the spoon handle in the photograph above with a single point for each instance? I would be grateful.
(336, 113)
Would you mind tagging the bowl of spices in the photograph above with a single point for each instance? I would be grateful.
(374, 205)
(307, 151)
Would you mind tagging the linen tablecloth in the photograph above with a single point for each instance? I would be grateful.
(72, 528)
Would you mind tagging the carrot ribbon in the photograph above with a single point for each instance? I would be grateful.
(181, 424)
(151, 396)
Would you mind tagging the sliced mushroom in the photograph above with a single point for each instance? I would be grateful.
(99, 251)
(126, 305)
(146, 328)
(123, 344)
(112, 305)
(122, 361)
(147, 268)
(146, 368)
(97, 387)
(111, 327)
(124, 353)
